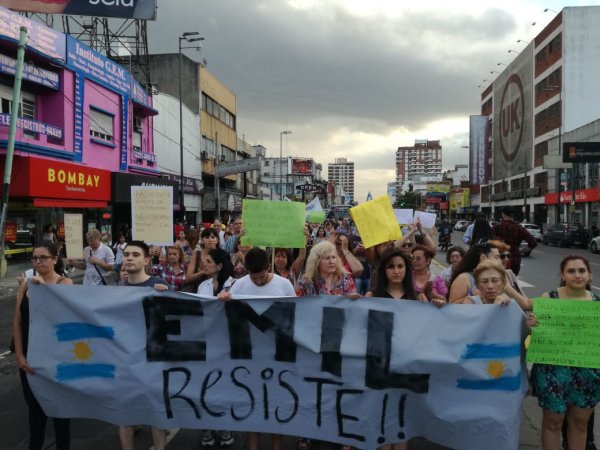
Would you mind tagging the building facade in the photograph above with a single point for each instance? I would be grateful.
(424, 158)
(546, 92)
(341, 173)
(85, 125)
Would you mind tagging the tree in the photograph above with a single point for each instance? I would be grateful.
(408, 200)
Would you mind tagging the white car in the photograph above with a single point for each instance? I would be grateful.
(534, 230)
(461, 225)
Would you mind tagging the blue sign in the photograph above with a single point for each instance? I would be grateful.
(97, 67)
(139, 94)
(42, 38)
(78, 122)
(34, 126)
(124, 121)
(30, 72)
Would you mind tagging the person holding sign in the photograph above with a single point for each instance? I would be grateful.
(98, 260)
(48, 267)
(260, 283)
(566, 392)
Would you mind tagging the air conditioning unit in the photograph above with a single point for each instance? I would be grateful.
(204, 154)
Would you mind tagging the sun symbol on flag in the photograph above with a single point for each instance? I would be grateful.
(496, 369)
(82, 350)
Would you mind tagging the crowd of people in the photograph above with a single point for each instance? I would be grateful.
(213, 261)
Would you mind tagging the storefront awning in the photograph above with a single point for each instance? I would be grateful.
(64, 203)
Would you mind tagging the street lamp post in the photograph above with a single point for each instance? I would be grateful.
(281, 162)
(188, 36)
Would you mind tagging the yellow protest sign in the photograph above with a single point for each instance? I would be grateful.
(376, 221)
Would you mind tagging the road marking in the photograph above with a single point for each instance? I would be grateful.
(596, 287)
(170, 436)
(5, 354)
(524, 284)
(594, 264)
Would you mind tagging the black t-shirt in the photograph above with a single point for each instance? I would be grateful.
(150, 282)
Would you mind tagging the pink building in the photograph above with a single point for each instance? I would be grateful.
(82, 117)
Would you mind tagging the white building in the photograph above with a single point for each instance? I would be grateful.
(341, 173)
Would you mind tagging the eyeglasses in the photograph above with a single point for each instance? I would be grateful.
(42, 258)
(505, 255)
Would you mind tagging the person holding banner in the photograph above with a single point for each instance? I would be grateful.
(48, 267)
(394, 277)
(220, 269)
(259, 282)
(566, 392)
(325, 274)
(490, 279)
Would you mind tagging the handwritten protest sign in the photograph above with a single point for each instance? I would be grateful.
(273, 224)
(568, 333)
(74, 235)
(322, 367)
(376, 221)
(152, 214)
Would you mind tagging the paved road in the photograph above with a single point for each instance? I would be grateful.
(539, 273)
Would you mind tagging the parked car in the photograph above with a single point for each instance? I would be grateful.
(595, 245)
(534, 230)
(565, 235)
(461, 225)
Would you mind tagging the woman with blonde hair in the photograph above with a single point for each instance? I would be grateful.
(512, 284)
(325, 274)
(490, 279)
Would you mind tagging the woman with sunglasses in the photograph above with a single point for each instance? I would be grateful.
(48, 267)
(567, 394)
(512, 282)
(463, 282)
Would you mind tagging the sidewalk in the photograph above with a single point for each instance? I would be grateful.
(9, 285)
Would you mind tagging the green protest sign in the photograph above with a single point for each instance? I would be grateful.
(273, 224)
(567, 334)
(316, 216)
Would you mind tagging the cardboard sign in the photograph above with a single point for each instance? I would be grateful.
(74, 235)
(152, 214)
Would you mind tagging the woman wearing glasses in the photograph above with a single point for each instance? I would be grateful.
(48, 267)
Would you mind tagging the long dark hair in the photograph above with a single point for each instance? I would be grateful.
(471, 259)
(222, 257)
(482, 232)
(382, 281)
(59, 267)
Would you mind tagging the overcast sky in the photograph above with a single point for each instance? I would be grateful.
(354, 78)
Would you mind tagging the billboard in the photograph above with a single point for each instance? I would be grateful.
(581, 152)
(302, 166)
(513, 116)
(438, 187)
(479, 168)
(125, 9)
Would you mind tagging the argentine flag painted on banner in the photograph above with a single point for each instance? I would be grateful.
(496, 367)
(80, 338)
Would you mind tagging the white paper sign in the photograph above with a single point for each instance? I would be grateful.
(152, 214)
(74, 235)
(404, 216)
(322, 367)
(426, 219)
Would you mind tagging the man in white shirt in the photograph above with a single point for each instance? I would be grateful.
(260, 283)
(218, 227)
(98, 260)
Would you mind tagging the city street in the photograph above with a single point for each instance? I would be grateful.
(539, 273)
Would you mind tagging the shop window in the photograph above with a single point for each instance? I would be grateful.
(26, 108)
(101, 125)
(137, 141)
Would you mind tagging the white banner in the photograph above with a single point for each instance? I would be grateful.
(362, 373)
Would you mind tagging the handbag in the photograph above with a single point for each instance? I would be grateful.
(192, 287)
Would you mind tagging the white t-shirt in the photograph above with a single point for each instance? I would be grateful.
(277, 287)
(206, 287)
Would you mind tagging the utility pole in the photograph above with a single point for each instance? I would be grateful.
(10, 147)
